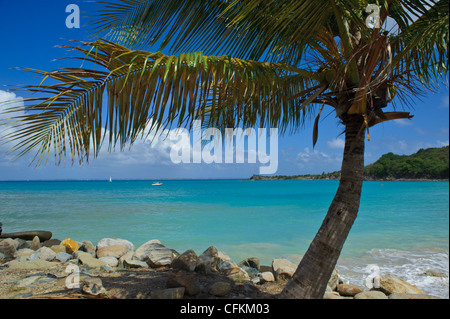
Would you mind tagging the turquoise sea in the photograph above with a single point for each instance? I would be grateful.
(402, 227)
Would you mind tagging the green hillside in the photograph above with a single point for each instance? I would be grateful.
(431, 163)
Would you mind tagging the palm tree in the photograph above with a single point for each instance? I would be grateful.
(263, 63)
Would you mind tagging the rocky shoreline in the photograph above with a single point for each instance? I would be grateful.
(115, 269)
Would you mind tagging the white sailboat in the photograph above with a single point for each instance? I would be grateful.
(110, 179)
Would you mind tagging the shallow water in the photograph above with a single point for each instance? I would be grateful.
(403, 227)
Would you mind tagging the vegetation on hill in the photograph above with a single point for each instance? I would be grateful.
(431, 163)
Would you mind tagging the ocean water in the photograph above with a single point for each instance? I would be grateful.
(402, 227)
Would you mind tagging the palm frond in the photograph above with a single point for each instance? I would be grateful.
(129, 90)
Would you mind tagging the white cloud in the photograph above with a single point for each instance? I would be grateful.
(312, 162)
(403, 122)
(7, 101)
(336, 143)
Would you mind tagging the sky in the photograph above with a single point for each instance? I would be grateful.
(30, 31)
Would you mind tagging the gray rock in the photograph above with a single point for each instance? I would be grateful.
(131, 263)
(208, 261)
(28, 281)
(115, 251)
(154, 253)
(51, 242)
(186, 261)
(278, 263)
(266, 276)
(87, 259)
(8, 247)
(220, 289)
(93, 286)
(107, 268)
(391, 284)
(334, 280)
(115, 241)
(35, 243)
(252, 272)
(252, 262)
(171, 293)
(348, 290)
(232, 271)
(43, 253)
(109, 261)
(63, 256)
(87, 247)
(284, 273)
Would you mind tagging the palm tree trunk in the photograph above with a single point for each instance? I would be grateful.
(315, 269)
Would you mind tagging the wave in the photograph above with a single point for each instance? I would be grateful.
(427, 268)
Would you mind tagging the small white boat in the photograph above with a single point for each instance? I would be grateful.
(157, 184)
(110, 180)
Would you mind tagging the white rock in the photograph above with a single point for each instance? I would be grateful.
(115, 241)
(154, 253)
(109, 261)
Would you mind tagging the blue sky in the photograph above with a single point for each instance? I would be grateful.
(31, 30)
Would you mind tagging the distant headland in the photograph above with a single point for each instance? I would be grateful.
(426, 164)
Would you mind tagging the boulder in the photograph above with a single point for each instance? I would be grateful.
(283, 269)
(334, 279)
(189, 282)
(266, 276)
(70, 244)
(348, 290)
(87, 247)
(115, 241)
(86, 259)
(373, 294)
(51, 242)
(59, 249)
(208, 261)
(252, 262)
(332, 295)
(63, 256)
(93, 286)
(109, 261)
(35, 243)
(132, 263)
(284, 273)
(391, 284)
(8, 247)
(44, 253)
(154, 253)
(186, 261)
(231, 270)
(220, 289)
(115, 251)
